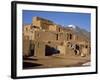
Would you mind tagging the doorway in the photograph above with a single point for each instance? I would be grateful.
(49, 51)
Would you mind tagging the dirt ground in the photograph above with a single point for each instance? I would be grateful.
(56, 61)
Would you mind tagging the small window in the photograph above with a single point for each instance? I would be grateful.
(26, 29)
(56, 36)
(86, 46)
(49, 42)
(70, 36)
(59, 29)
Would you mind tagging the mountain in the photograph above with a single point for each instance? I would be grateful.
(79, 31)
(71, 26)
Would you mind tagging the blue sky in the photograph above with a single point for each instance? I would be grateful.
(62, 18)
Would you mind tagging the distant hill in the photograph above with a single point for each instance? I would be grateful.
(79, 31)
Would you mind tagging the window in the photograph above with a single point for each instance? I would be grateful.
(49, 42)
(56, 36)
(70, 36)
(26, 29)
(59, 29)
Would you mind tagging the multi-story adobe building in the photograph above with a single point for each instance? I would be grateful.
(46, 38)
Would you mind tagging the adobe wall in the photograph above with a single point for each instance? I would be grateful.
(39, 49)
(44, 32)
(41, 23)
(45, 36)
(26, 46)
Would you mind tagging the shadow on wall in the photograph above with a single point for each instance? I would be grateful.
(49, 51)
(28, 65)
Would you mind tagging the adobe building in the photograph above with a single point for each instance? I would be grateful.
(46, 38)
